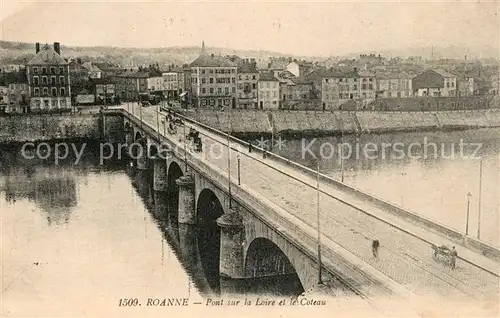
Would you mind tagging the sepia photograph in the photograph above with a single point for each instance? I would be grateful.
(249, 158)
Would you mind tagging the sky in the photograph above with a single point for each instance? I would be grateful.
(302, 28)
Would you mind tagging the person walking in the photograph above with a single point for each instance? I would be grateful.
(454, 255)
(375, 245)
(250, 147)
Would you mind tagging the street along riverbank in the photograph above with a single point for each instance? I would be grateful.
(253, 123)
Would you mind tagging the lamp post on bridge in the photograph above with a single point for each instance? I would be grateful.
(320, 281)
(479, 199)
(469, 195)
(229, 166)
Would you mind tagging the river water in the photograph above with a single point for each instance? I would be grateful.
(78, 238)
(428, 173)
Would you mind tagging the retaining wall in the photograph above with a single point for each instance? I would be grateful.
(31, 128)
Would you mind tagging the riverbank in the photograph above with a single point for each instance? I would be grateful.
(251, 123)
(46, 127)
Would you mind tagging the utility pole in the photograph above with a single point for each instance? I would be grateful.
(469, 195)
(479, 199)
(320, 281)
(342, 150)
(229, 169)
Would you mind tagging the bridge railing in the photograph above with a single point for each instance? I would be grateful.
(460, 238)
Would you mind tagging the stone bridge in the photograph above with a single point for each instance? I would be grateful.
(253, 235)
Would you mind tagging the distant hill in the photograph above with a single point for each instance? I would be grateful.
(450, 52)
(20, 52)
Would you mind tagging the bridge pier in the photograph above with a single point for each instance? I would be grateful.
(187, 214)
(160, 205)
(142, 160)
(160, 174)
(232, 263)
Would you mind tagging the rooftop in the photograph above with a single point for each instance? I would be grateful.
(47, 56)
(268, 77)
(212, 61)
(245, 67)
(443, 72)
(13, 78)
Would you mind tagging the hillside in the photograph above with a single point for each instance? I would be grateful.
(19, 52)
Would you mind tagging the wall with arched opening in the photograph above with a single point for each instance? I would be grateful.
(174, 172)
(208, 210)
(270, 270)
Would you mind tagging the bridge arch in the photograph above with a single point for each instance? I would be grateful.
(174, 172)
(270, 267)
(208, 210)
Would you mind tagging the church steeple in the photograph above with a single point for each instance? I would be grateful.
(203, 48)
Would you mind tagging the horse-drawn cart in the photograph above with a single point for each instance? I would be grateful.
(442, 254)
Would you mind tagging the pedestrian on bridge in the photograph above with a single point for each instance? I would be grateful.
(375, 245)
(453, 255)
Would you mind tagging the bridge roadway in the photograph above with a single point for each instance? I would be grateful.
(405, 252)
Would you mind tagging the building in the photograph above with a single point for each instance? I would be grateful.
(248, 78)
(340, 87)
(48, 79)
(394, 85)
(4, 98)
(435, 82)
(93, 70)
(16, 91)
(78, 73)
(299, 68)
(132, 85)
(173, 83)
(213, 81)
(298, 93)
(104, 90)
(268, 95)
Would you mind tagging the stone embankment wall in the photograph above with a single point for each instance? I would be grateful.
(250, 122)
(31, 128)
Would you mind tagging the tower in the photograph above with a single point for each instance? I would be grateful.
(203, 47)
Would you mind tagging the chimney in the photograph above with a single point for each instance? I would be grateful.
(37, 47)
(57, 48)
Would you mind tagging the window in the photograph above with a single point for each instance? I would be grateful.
(203, 71)
(37, 103)
(53, 91)
(226, 90)
(45, 91)
(355, 87)
(52, 70)
(63, 91)
(63, 102)
(253, 77)
(35, 70)
(326, 80)
(253, 86)
(36, 91)
(233, 80)
(46, 103)
(203, 80)
(44, 70)
(219, 90)
(44, 80)
(61, 70)
(233, 89)
(203, 91)
(54, 103)
(211, 90)
(211, 80)
(52, 80)
(370, 86)
(35, 80)
(211, 71)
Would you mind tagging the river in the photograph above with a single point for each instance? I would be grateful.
(428, 173)
(78, 238)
